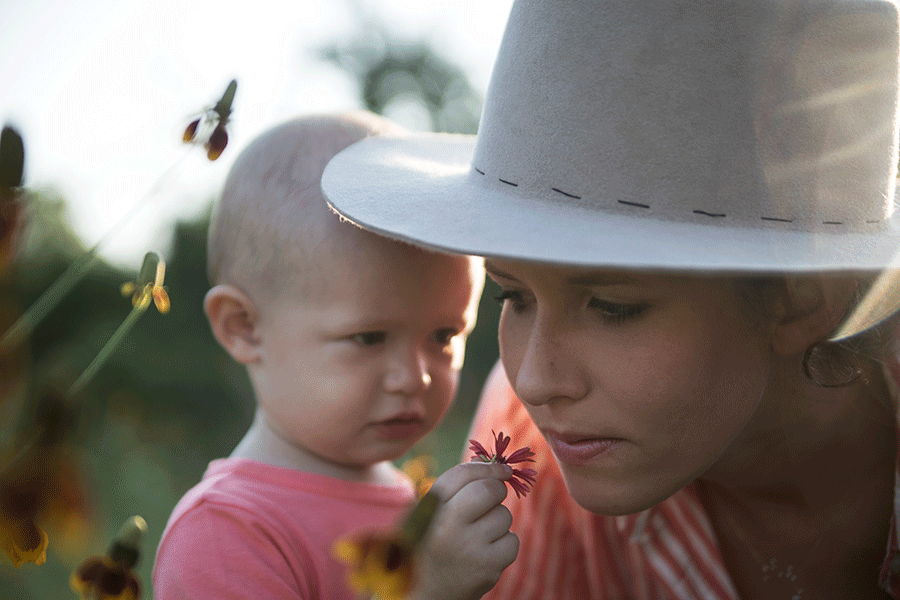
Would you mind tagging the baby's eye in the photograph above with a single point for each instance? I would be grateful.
(445, 336)
(516, 299)
(370, 338)
(615, 313)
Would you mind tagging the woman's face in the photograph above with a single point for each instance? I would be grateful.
(639, 382)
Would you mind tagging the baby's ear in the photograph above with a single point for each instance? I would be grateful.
(811, 310)
(234, 320)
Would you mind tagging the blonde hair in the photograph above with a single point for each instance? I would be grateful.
(271, 210)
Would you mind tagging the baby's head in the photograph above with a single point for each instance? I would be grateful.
(353, 342)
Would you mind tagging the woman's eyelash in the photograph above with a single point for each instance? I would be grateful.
(612, 312)
(516, 299)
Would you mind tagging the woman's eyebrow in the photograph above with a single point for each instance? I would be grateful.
(493, 270)
(587, 280)
(600, 279)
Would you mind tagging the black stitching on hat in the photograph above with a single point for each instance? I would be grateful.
(508, 182)
(832, 222)
(777, 219)
(874, 221)
(708, 214)
(633, 204)
(477, 169)
(559, 191)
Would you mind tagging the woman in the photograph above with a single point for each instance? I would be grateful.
(686, 205)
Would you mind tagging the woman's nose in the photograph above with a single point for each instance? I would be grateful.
(408, 374)
(548, 369)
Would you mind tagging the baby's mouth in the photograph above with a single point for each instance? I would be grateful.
(400, 426)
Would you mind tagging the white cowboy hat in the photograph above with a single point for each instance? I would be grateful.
(713, 135)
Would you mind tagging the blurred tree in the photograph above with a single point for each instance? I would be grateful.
(393, 73)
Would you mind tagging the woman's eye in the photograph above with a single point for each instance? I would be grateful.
(445, 336)
(613, 312)
(515, 298)
(369, 338)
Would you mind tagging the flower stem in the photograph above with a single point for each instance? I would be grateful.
(38, 311)
(107, 349)
(76, 270)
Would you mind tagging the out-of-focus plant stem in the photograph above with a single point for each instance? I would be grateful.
(107, 350)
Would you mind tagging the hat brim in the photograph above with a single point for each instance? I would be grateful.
(423, 190)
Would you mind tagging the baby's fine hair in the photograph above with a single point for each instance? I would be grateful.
(271, 211)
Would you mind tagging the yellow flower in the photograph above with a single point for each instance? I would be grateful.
(380, 564)
(112, 577)
(23, 542)
(142, 293)
(419, 470)
(39, 484)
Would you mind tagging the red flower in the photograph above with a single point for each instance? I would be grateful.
(522, 479)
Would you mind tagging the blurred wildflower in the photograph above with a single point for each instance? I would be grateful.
(39, 484)
(12, 171)
(12, 158)
(419, 470)
(13, 361)
(214, 120)
(522, 479)
(143, 291)
(112, 576)
(381, 563)
(148, 288)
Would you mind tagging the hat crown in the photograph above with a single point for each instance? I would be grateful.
(763, 113)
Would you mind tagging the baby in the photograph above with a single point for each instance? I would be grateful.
(353, 345)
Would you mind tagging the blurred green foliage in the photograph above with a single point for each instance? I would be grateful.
(169, 399)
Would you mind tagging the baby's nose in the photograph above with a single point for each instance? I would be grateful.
(409, 374)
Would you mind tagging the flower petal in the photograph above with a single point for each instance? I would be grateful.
(217, 142)
(500, 444)
(526, 474)
(142, 298)
(521, 455)
(480, 451)
(31, 548)
(161, 299)
(190, 131)
(346, 550)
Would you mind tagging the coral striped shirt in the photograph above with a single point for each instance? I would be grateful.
(666, 552)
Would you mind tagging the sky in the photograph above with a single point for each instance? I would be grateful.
(101, 91)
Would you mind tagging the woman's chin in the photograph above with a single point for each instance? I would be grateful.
(614, 498)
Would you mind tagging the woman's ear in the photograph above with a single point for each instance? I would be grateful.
(234, 320)
(811, 309)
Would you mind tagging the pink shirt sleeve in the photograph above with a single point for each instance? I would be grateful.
(227, 553)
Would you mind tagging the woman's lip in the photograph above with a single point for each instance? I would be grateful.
(578, 449)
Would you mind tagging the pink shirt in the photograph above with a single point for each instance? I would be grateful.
(666, 552)
(253, 531)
